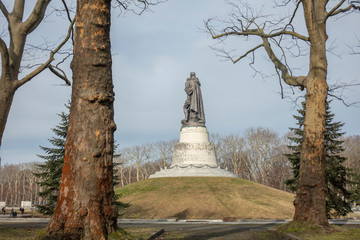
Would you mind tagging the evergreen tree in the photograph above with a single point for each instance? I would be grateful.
(49, 173)
(337, 196)
(116, 180)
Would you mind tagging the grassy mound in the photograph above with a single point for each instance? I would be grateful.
(204, 198)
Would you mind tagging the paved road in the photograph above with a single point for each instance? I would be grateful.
(199, 231)
(192, 231)
(207, 231)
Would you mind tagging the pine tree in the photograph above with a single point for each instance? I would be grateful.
(116, 180)
(337, 196)
(49, 173)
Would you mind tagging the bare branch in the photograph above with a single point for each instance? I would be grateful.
(61, 75)
(67, 10)
(245, 31)
(337, 10)
(343, 100)
(254, 32)
(288, 78)
(244, 55)
(293, 15)
(354, 50)
(280, 83)
(4, 57)
(36, 16)
(342, 87)
(283, 4)
(4, 10)
(69, 18)
(18, 9)
(283, 55)
(46, 64)
(123, 5)
(140, 5)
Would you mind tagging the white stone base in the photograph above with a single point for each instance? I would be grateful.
(194, 148)
(194, 156)
(193, 171)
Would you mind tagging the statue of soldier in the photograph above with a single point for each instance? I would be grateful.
(193, 106)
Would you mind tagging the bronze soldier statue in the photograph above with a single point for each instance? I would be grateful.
(193, 106)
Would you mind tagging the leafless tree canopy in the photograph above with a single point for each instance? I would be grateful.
(135, 6)
(282, 36)
(17, 183)
(21, 59)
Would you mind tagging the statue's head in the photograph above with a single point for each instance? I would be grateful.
(192, 74)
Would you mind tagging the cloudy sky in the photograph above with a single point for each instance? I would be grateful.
(153, 54)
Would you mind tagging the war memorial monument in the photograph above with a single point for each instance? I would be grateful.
(194, 155)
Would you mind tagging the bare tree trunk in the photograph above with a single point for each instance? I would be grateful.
(25, 180)
(85, 207)
(16, 188)
(310, 196)
(6, 99)
(122, 175)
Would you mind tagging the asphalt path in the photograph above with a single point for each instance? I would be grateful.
(192, 230)
(206, 231)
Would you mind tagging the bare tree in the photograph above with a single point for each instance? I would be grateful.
(245, 23)
(139, 154)
(231, 155)
(17, 184)
(260, 147)
(12, 56)
(164, 152)
(279, 169)
(352, 152)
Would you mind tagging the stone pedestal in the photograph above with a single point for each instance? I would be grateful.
(194, 156)
(194, 148)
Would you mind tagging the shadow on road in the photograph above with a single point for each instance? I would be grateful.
(239, 232)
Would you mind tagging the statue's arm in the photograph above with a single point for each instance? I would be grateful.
(188, 88)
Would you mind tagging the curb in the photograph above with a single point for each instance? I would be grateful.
(172, 220)
(204, 221)
(190, 221)
(12, 219)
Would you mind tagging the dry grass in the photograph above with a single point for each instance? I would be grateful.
(7, 233)
(314, 232)
(204, 198)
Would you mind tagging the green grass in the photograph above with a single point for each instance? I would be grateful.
(7, 233)
(314, 232)
(303, 232)
(18, 233)
(204, 197)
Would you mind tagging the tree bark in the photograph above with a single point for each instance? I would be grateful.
(85, 207)
(310, 202)
(7, 89)
(6, 98)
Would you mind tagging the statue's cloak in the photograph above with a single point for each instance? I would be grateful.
(192, 88)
